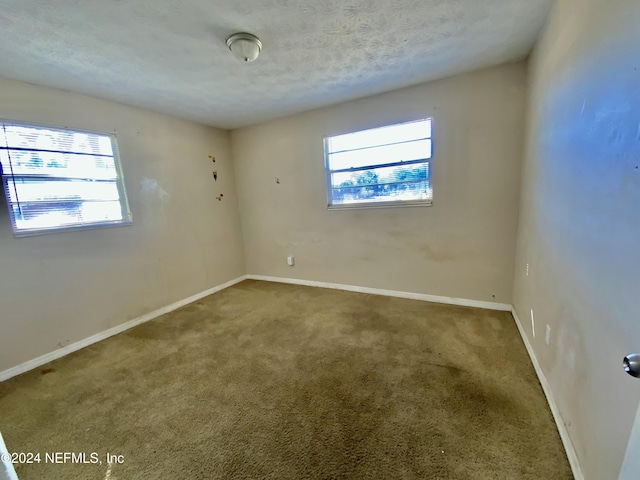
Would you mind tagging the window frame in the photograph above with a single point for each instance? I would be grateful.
(385, 203)
(127, 217)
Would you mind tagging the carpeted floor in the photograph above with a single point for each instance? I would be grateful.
(274, 381)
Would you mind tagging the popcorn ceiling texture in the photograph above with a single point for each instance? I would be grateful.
(170, 56)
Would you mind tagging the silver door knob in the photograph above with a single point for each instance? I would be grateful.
(631, 364)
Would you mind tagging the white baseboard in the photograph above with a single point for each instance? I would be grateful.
(61, 352)
(562, 429)
(564, 434)
(388, 293)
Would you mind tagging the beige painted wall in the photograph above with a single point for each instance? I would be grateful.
(580, 221)
(463, 246)
(59, 288)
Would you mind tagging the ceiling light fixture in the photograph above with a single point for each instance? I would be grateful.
(244, 46)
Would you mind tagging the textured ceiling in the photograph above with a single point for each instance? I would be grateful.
(170, 55)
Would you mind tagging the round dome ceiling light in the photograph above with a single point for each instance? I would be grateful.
(244, 46)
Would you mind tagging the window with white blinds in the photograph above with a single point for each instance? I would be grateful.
(59, 179)
(383, 166)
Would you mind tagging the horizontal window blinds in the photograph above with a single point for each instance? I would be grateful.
(60, 179)
(386, 165)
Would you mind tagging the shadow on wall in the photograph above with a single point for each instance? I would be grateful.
(590, 163)
(579, 226)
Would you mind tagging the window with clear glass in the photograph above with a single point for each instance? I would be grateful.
(384, 166)
(59, 179)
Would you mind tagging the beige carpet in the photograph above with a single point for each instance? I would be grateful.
(274, 381)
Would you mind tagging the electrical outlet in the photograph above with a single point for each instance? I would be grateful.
(527, 271)
(547, 335)
(291, 261)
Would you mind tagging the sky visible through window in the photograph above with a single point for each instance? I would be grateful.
(387, 164)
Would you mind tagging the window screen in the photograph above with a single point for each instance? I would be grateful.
(61, 179)
(380, 166)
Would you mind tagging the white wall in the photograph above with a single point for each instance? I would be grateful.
(59, 288)
(580, 221)
(463, 246)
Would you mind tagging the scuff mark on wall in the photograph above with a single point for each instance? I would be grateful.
(436, 254)
(299, 239)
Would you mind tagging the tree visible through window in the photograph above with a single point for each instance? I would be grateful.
(380, 166)
(60, 179)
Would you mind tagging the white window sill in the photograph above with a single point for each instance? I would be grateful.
(353, 206)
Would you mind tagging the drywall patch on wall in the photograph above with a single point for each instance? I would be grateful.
(154, 199)
(153, 193)
(301, 238)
